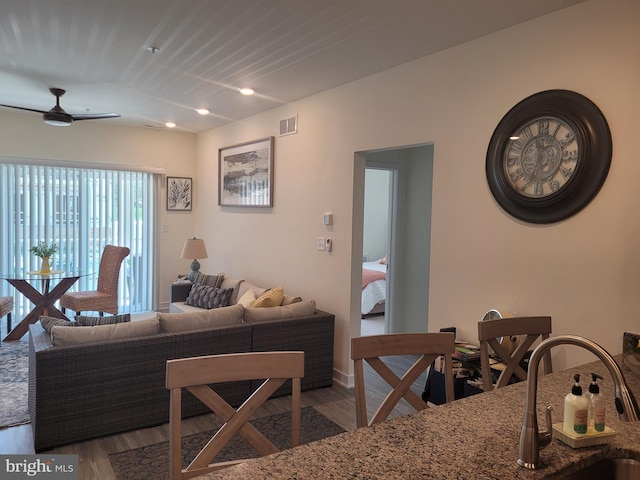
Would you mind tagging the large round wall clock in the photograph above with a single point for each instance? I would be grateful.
(549, 156)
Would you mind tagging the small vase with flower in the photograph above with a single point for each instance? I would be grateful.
(44, 252)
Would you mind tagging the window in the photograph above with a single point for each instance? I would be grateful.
(81, 210)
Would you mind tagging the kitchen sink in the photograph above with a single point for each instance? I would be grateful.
(610, 469)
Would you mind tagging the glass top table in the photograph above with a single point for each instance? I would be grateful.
(52, 286)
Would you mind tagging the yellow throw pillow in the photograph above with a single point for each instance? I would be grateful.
(270, 298)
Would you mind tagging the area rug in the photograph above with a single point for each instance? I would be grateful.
(152, 462)
(14, 374)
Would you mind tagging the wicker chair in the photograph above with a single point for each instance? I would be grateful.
(6, 306)
(105, 298)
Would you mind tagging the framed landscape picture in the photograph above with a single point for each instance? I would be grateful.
(246, 174)
(179, 193)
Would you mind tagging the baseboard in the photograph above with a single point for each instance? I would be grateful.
(345, 381)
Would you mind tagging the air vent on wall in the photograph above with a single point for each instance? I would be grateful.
(289, 126)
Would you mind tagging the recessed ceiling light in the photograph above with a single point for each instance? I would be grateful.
(202, 111)
(170, 125)
(246, 91)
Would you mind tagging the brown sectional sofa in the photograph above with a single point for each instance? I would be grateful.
(84, 391)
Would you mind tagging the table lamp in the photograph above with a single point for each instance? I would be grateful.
(194, 248)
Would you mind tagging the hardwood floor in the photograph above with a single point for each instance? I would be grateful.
(335, 403)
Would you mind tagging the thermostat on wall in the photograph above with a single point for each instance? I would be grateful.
(327, 219)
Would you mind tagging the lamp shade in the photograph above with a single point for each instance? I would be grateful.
(194, 248)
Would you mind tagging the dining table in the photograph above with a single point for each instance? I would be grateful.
(43, 290)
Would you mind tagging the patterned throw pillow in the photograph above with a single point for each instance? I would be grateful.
(204, 296)
(86, 321)
(49, 322)
(209, 280)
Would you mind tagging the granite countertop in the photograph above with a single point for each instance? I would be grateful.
(472, 438)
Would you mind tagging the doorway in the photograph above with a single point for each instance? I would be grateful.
(408, 219)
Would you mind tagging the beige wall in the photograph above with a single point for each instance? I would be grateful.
(584, 272)
(25, 135)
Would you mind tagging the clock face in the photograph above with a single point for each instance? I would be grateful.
(541, 157)
(549, 156)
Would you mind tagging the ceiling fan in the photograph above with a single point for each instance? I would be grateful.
(58, 117)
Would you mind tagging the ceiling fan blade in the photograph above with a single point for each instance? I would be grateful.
(24, 108)
(94, 116)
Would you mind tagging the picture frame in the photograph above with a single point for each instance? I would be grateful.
(179, 193)
(245, 173)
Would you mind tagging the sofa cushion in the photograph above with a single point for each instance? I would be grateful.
(204, 296)
(247, 298)
(299, 309)
(218, 317)
(246, 286)
(49, 322)
(230, 282)
(270, 298)
(87, 321)
(209, 280)
(73, 336)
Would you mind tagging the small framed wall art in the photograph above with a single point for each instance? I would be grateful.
(179, 193)
(245, 172)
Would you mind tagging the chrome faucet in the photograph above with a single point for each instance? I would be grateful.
(531, 440)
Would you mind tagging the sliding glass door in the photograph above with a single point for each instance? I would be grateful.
(81, 210)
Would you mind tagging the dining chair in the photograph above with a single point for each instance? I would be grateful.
(199, 375)
(521, 330)
(105, 298)
(371, 349)
(6, 307)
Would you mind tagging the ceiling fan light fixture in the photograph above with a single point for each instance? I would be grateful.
(56, 120)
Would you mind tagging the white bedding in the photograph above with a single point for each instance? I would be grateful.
(376, 291)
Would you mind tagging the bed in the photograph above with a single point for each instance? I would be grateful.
(374, 287)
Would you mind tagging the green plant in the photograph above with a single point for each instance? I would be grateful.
(43, 250)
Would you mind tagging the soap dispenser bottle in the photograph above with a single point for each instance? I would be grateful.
(596, 405)
(576, 410)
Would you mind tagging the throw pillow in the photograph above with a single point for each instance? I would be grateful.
(101, 333)
(247, 299)
(219, 317)
(230, 282)
(49, 322)
(299, 309)
(270, 298)
(288, 300)
(204, 296)
(209, 280)
(87, 321)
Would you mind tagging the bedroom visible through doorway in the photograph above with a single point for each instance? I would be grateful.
(377, 230)
(401, 201)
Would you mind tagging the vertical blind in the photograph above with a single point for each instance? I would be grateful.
(80, 210)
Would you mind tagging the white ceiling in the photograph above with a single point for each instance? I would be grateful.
(284, 49)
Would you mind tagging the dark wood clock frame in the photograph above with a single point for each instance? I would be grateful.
(593, 141)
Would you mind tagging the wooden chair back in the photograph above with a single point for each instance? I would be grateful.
(370, 349)
(527, 329)
(198, 374)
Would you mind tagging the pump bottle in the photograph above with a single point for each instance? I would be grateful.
(576, 410)
(596, 405)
